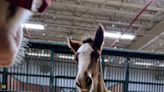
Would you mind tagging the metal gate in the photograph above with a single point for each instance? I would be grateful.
(50, 68)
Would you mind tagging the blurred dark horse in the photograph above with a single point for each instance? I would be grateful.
(12, 14)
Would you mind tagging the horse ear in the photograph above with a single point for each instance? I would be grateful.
(73, 45)
(99, 37)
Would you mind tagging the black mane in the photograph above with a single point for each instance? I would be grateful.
(88, 40)
(91, 42)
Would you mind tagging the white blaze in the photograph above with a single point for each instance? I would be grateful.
(84, 57)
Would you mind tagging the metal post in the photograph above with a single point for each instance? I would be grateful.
(103, 64)
(126, 85)
(55, 84)
(27, 71)
(4, 79)
(51, 71)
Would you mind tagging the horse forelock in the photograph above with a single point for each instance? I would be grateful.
(88, 40)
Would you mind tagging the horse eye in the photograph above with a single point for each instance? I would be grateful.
(95, 54)
(88, 81)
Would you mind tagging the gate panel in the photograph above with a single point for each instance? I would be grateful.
(46, 69)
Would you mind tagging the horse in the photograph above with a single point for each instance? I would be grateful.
(87, 55)
(12, 14)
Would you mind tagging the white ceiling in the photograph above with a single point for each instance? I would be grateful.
(79, 18)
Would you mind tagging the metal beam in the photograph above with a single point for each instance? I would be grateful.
(99, 9)
(86, 19)
(128, 5)
(145, 40)
(59, 16)
(73, 27)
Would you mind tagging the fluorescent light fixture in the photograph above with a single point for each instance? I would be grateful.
(39, 54)
(33, 26)
(66, 57)
(144, 63)
(106, 60)
(148, 64)
(117, 35)
(161, 65)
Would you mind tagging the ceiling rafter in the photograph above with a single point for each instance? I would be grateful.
(80, 17)
(86, 19)
(97, 20)
(145, 40)
(98, 9)
(124, 4)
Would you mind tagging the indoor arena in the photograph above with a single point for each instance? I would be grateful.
(81, 46)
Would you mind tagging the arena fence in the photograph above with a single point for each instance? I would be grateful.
(50, 68)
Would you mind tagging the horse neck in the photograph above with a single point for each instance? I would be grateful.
(101, 84)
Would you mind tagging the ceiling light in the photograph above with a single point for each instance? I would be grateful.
(105, 60)
(161, 65)
(144, 63)
(44, 34)
(39, 54)
(66, 57)
(33, 26)
(117, 35)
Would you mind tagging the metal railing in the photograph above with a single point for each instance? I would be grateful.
(50, 68)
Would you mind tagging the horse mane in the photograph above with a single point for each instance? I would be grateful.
(88, 40)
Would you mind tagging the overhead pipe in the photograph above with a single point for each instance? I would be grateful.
(137, 16)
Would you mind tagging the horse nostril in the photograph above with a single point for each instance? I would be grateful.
(88, 81)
